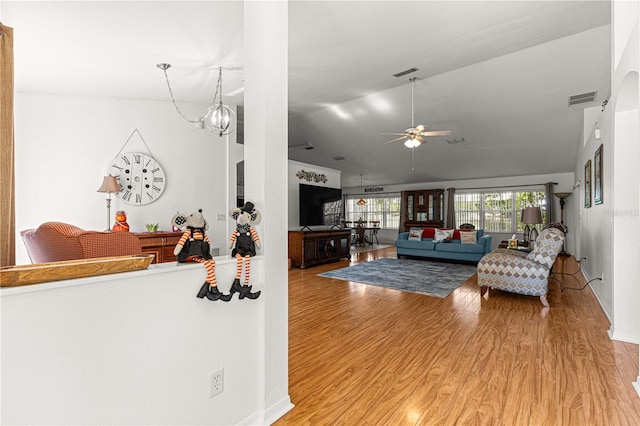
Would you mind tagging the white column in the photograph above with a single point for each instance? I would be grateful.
(265, 124)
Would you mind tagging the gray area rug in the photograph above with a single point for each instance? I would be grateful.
(437, 279)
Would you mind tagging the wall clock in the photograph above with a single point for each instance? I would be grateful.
(140, 177)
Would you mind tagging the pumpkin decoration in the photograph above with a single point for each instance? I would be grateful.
(121, 222)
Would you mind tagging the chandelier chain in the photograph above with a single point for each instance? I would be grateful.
(175, 104)
(218, 88)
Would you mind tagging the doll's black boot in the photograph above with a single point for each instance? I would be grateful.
(203, 290)
(215, 294)
(245, 291)
(235, 287)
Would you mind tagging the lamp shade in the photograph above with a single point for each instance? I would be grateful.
(562, 195)
(109, 185)
(532, 215)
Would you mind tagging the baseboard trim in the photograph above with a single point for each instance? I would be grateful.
(278, 410)
(627, 338)
(603, 306)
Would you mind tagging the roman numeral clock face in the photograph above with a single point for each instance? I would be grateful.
(140, 177)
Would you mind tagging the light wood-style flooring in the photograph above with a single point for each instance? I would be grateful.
(365, 355)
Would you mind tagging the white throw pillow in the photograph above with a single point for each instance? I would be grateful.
(415, 234)
(468, 237)
(442, 235)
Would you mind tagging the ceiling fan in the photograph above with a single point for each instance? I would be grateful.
(414, 136)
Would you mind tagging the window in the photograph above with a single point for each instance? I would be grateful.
(497, 211)
(383, 208)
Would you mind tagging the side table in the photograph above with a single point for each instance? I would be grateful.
(522, 246)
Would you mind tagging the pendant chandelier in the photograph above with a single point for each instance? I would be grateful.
(219, 118)
(361, 201)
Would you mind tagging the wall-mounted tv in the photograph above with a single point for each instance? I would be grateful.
(320, 205)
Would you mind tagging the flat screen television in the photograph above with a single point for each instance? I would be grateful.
(320, 205)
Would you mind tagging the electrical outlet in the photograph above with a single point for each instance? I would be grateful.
(216, 382)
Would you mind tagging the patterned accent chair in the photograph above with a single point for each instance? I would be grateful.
(520, 272)
(57, 241)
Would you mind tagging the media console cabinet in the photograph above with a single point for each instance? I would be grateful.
(309, 248)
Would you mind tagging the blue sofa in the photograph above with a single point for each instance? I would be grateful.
(452, 250)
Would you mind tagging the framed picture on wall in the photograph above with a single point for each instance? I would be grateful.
(587, 184)
(597, 176)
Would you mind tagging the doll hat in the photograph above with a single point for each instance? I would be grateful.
(248, 207)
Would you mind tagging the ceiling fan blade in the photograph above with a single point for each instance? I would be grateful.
(396, 139)
(436, 133)
(419, 139)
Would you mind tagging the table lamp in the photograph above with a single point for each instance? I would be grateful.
(532, 216)
(110, 186)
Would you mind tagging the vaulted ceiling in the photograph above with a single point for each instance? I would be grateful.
(498, 74)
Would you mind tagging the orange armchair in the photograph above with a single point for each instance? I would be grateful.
(57, 241)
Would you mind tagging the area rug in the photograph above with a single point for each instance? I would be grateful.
(437, 279)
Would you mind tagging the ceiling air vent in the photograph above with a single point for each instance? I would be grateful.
(455, 140)
(405, 72)
(582, 98)
(338, 158)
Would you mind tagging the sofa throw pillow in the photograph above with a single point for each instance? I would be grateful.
(468, 237)
(428, 232)
(443, 235)
(415, 234)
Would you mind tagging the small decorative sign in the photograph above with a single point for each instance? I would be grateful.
(311, 176)
(374, 189)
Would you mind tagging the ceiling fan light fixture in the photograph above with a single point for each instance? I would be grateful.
(412, 143)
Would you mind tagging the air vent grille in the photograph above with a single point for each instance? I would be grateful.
(405, 72)
(582, 98)
(455, 140)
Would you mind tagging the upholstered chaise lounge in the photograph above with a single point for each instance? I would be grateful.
(519, 272)
(57, 241)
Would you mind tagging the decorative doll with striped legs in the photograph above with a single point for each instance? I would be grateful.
(194, 246)
(245, 239)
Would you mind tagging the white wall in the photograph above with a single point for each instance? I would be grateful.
(609, 232)
(595, 223)
(70, 140)
(333, 181)
(64, 145)
(134, 348)
(265, 117)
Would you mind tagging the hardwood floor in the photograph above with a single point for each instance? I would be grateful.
(365, 355)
